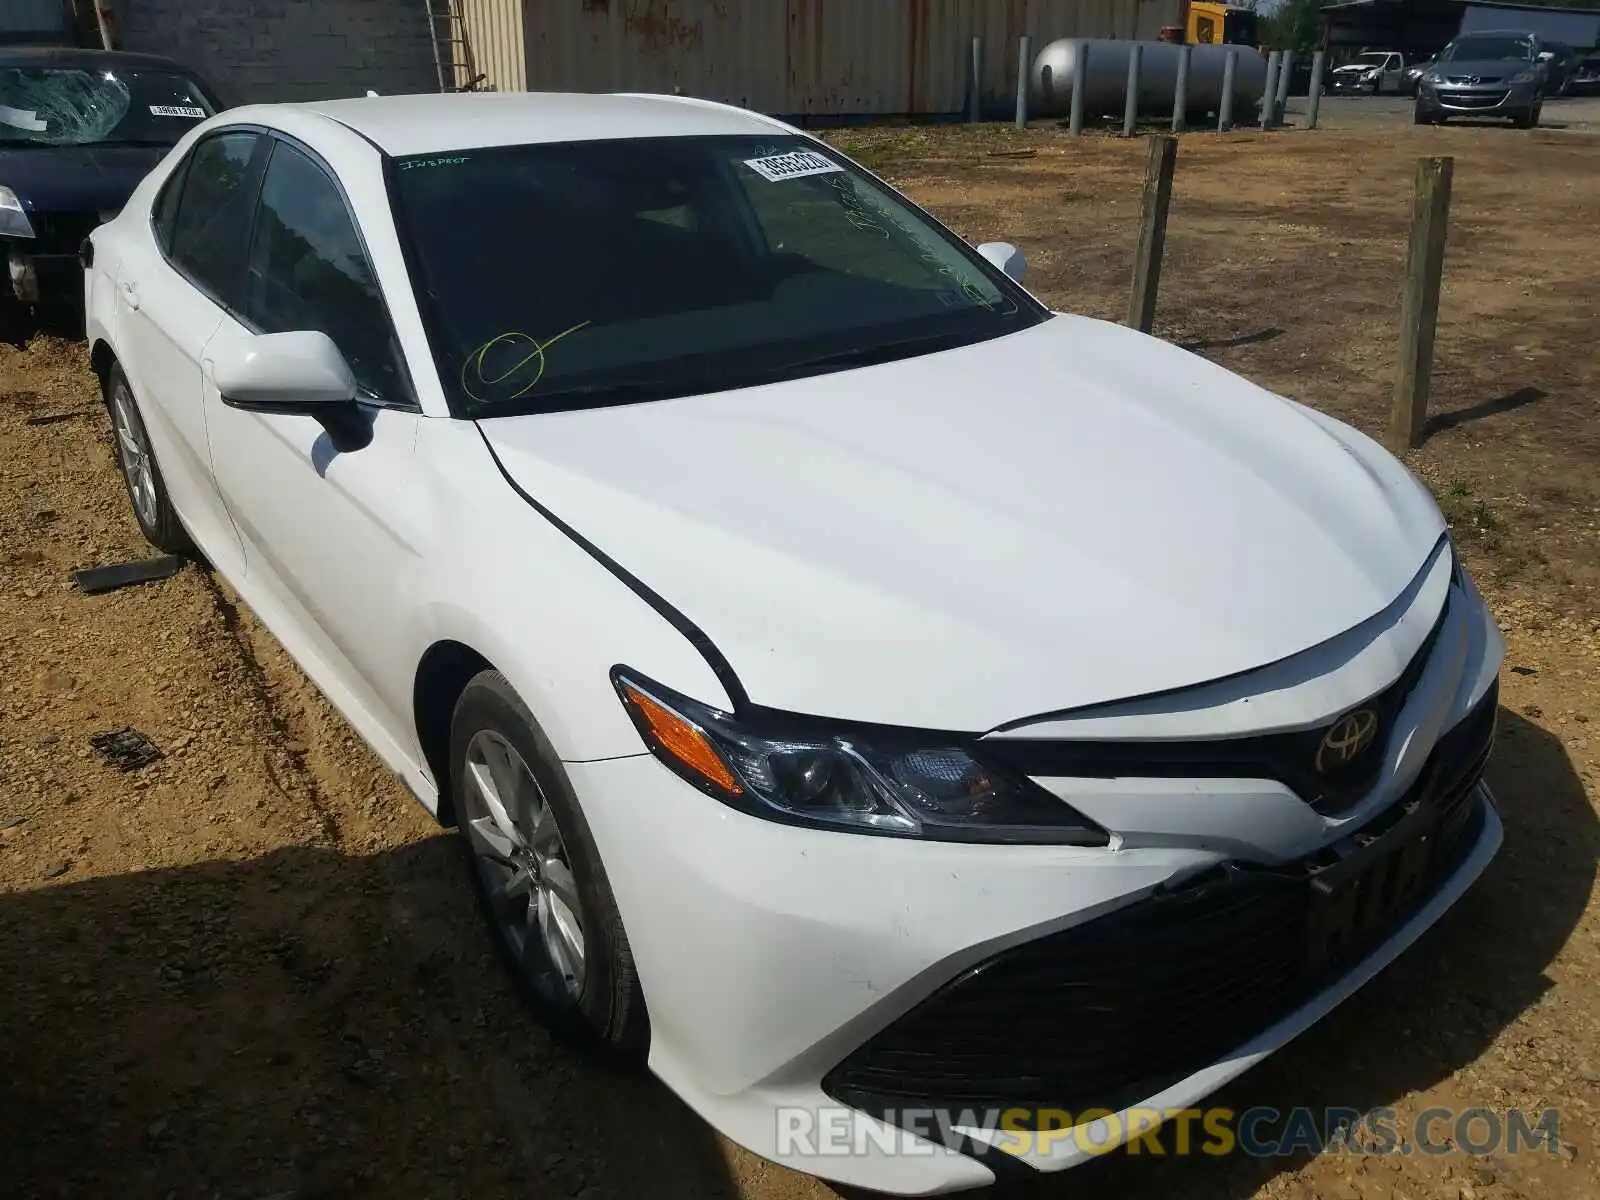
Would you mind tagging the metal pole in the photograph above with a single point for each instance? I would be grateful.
(1270, 92)
(1080, 68)
(1230, 67)
(1314, 101)
(1280, 111)
(1130, 101)
(976, 80)
(1180, 90)
(1024, 62)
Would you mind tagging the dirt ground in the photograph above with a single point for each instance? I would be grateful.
(253, 969)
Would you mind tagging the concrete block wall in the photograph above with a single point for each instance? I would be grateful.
(270, 50)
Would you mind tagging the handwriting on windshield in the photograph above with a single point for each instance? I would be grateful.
(485, 369)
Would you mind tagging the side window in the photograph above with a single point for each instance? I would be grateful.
(166, 207)
(213, 218)
(308, 270)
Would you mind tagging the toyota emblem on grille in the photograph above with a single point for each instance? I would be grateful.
(1347, 740)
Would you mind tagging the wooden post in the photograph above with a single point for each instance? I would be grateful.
(1230, 68)
(1180, 89)
(1024, 63)
(1419, 312)
(1080, 70)
(1319, 62)
(1152, 231)
(1130, 99)
(976, 81)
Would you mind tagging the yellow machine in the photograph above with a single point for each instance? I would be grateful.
(1219, 25)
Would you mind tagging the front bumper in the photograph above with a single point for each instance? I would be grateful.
(43, 278)
(1349, 83)
(793, 976)
(45, 268)
(1488, 100)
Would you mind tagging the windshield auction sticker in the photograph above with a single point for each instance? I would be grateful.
(779, 167)
(178, 110)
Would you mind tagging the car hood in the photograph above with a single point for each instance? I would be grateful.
(1485, 68)
(1068, 515)
(76, 178)
(1355, 69)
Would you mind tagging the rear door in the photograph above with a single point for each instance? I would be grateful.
(171, 295)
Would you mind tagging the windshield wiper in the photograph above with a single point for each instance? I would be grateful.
(640, 391)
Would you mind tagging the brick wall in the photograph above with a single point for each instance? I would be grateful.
(267, 50)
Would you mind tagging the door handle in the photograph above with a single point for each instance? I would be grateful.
(130, 293)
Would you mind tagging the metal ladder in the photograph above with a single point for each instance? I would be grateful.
(452, 50)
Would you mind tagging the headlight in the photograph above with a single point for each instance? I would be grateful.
(1432, 77)
(13, 220)
(802, 772)
(1525, 77)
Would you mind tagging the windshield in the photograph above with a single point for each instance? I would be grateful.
(1372, 60)
(71, 106)
(1487, 49)
(573, 275)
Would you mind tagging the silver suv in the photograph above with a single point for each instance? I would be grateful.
(1490, 74)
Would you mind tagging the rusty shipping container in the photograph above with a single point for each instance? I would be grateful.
(794, 57)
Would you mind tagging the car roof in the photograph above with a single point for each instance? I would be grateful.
(429, 124)
(74, 56)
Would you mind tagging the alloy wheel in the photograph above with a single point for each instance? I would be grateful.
(133, 452)
(523, 864)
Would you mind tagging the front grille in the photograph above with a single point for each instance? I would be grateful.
(1288, 758)
(1470, 80)
(1117, 1009)
(1474, 99)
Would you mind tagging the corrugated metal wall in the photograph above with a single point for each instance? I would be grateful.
(496, 39)
(813, 57)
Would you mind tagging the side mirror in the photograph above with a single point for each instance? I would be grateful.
(300, 373)
(1007, 257)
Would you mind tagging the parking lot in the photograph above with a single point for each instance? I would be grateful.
(1578, 113)
(253, 968)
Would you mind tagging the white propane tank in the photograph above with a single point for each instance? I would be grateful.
(1107, 76)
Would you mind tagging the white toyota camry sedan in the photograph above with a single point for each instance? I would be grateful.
(917, 723)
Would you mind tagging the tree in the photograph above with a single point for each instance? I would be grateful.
(1292, 24)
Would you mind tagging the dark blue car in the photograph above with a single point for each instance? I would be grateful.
(78, 130)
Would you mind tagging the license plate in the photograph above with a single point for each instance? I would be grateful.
(1356, 899)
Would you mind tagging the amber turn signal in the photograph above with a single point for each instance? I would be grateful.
(681, 740)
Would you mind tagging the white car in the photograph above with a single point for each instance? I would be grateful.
(880, 702)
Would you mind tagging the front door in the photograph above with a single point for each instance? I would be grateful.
(326, 532)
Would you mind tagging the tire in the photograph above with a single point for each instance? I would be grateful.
(1420, 116)
(528, 861)
(141, 474)
(1528, 119)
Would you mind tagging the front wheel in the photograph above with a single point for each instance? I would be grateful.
(147, 490)
(538, 874)
(1528, 119)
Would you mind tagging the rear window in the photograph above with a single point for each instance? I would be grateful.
(72, 106)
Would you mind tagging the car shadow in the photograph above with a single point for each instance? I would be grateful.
(1436, 1009)
(310, 1023)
